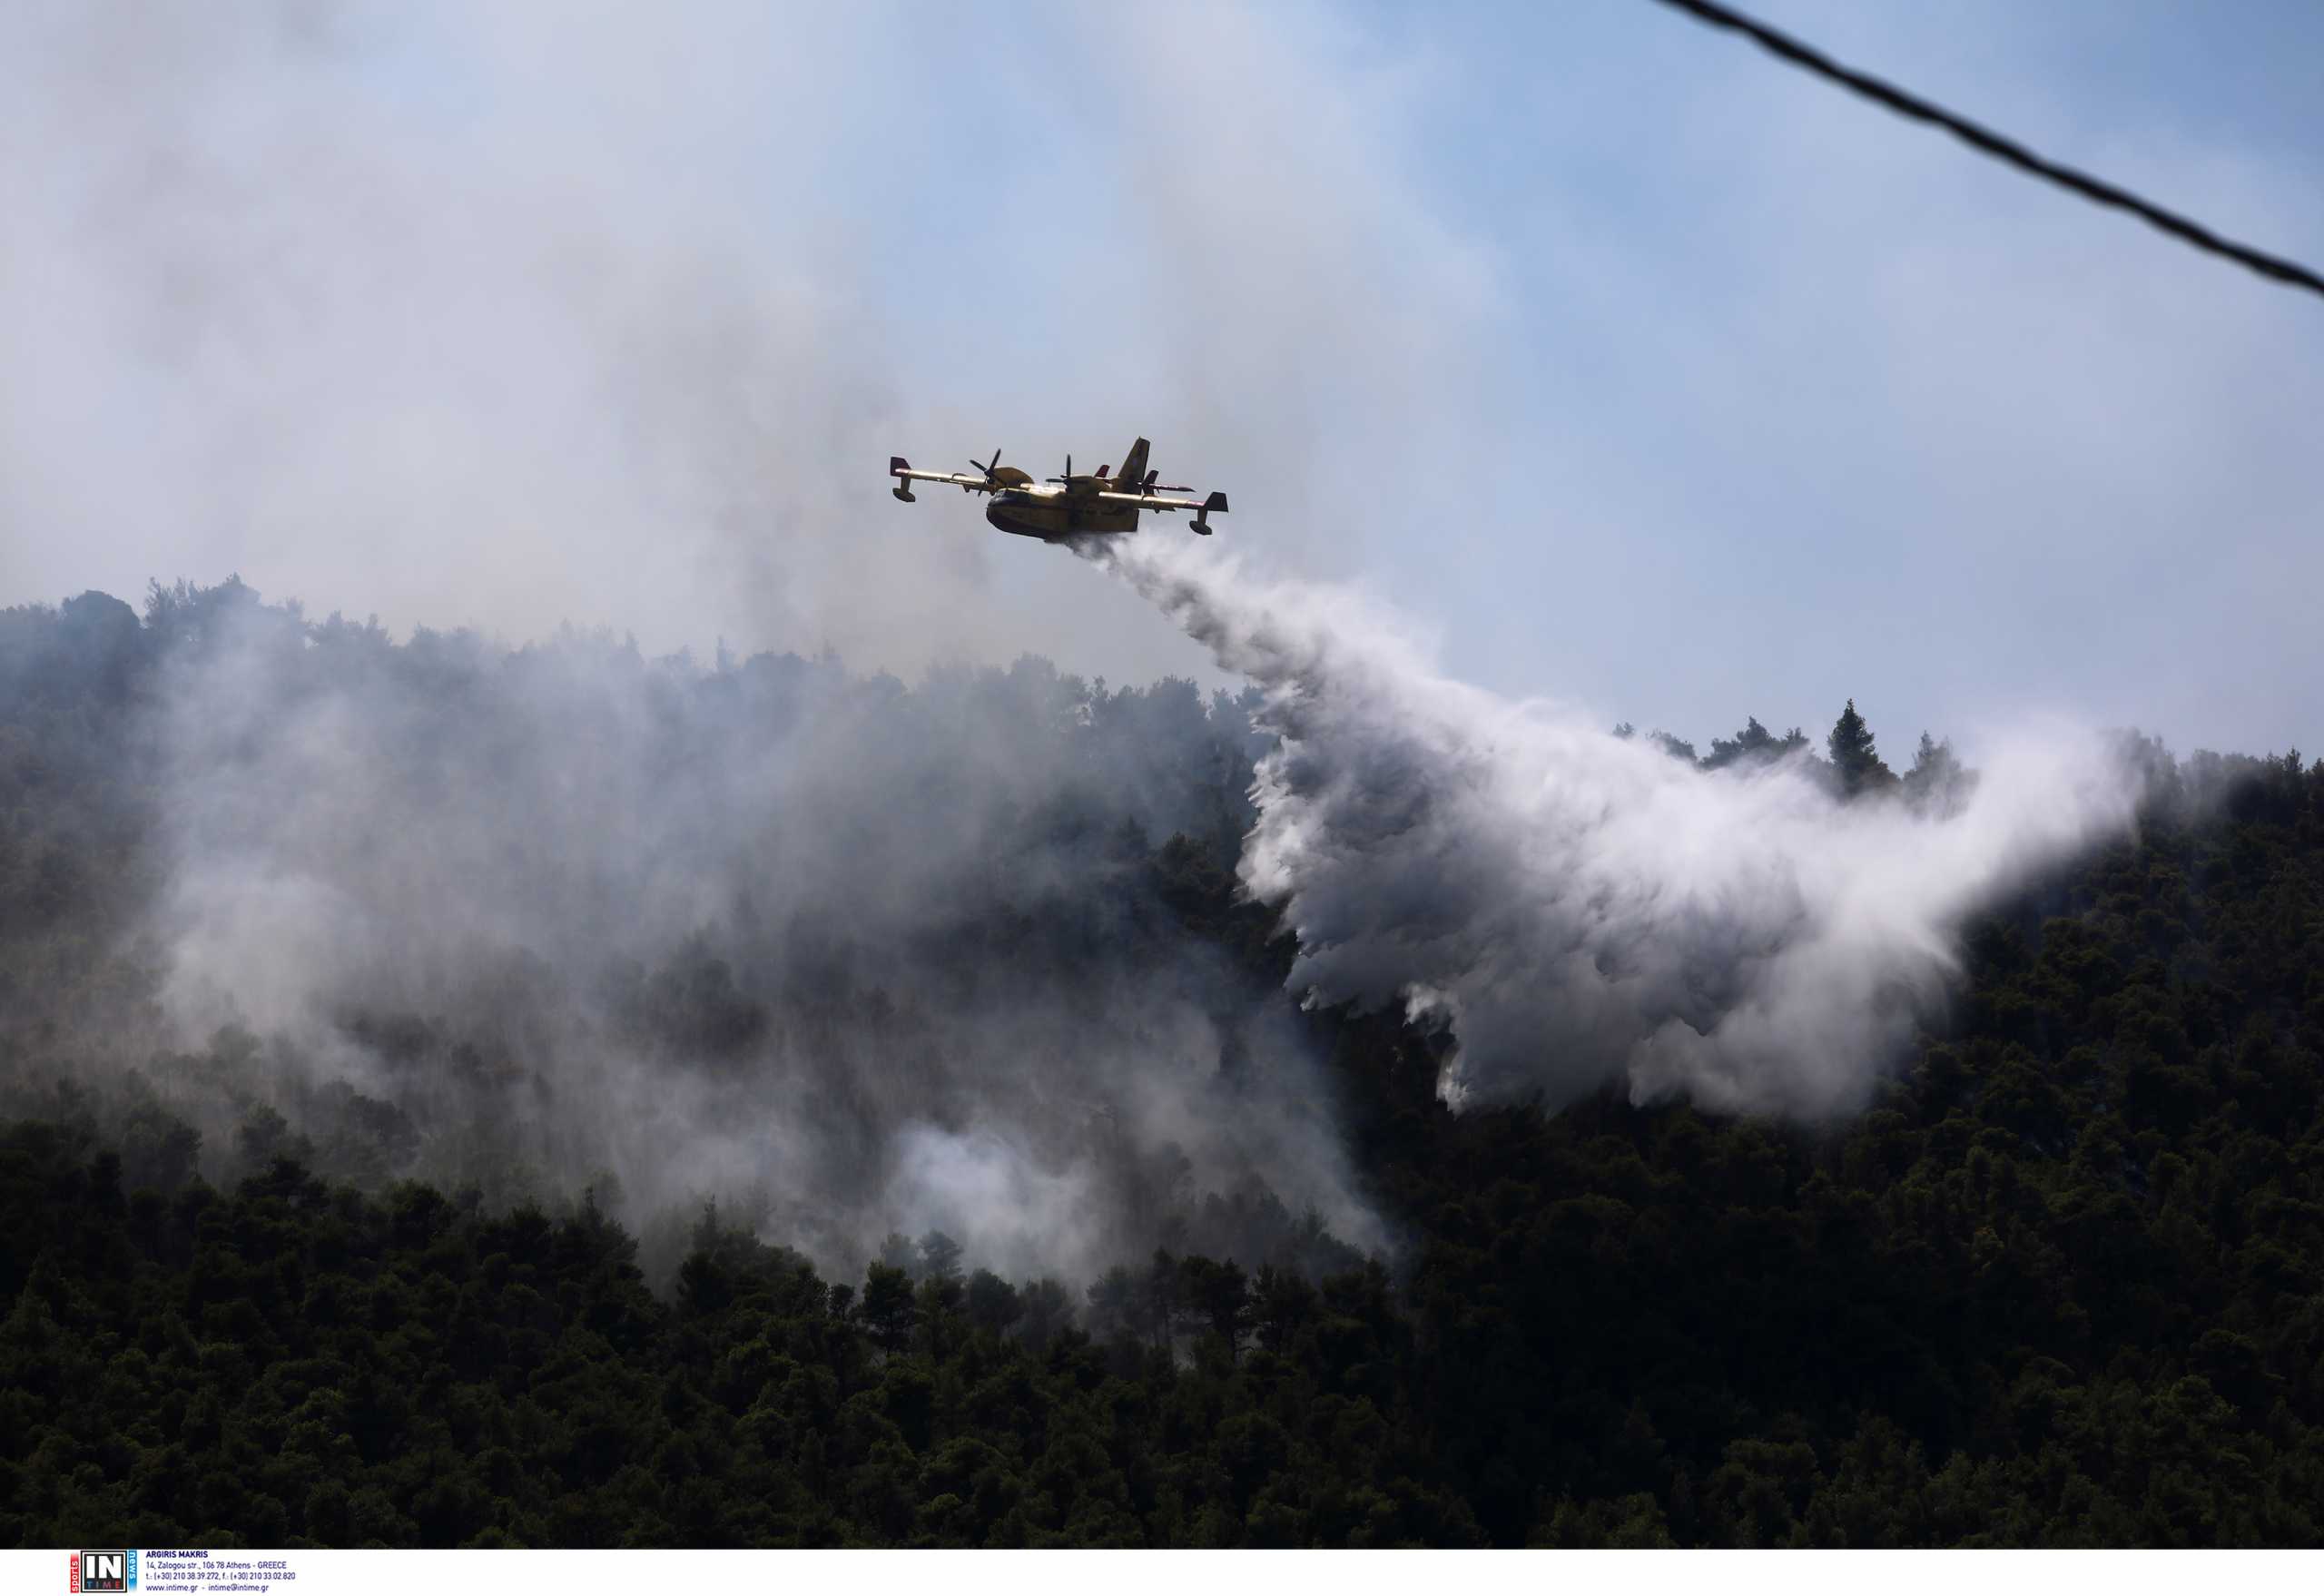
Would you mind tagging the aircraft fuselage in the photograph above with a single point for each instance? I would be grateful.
(1054, 513)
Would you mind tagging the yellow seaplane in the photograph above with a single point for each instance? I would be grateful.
(1066, 507)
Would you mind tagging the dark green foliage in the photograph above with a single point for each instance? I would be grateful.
(1855, 761)
(1753, 746)
(2059, 1283)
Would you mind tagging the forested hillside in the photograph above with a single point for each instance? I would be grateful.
(2061, 1282)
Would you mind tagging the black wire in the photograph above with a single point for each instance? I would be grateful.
(1993, 144)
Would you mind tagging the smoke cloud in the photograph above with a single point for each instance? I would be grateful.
(857, 958)
(851, 957)
(496, 315)
(1577, 906)
(860, 959)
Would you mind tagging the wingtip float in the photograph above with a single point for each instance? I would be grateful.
(1072, 505)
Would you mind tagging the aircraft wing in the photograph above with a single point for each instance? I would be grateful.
(1162, 501)
(901, 468)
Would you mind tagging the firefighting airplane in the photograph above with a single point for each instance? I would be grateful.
(1066, 507)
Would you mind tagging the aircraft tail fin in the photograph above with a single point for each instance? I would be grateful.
(1133, 469)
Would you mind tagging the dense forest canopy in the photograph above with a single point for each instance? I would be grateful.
(463, 1095)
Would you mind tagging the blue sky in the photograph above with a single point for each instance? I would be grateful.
(1635, 368)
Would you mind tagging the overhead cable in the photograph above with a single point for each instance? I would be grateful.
(1987, 142)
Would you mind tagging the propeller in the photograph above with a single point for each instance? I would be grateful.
(987, 469)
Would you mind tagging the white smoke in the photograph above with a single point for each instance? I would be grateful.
(850, 958)
(1577, 906)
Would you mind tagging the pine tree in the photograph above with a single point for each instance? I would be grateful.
(1857, 762)
(1938, 781)
(1754, 744)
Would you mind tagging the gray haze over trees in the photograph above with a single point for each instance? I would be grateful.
(359, 1266)
(851, 957)
(863, 961)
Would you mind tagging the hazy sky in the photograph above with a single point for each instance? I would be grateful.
(1642, 370)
